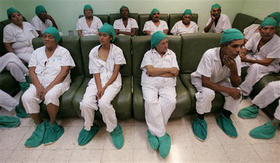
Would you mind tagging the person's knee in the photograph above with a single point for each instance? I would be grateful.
(11, 66)
(104, 103)
(51, 97)
(26, 97)
(255, 68)
(207, 94)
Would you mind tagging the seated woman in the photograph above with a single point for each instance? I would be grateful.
(49, 70)
(125, 25)
(104, 63)
(18, 35)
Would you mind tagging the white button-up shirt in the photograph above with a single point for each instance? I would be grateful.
(89, 30)
(180, 28)
(131, 23)
(46, 68)
(222, 24)
(150, 26)
(40, 25)
(153, 58)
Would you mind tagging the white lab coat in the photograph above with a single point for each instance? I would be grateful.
(21, 39)
(159, 93)
(150, 26)
(251, 30)
(210, 66)
(96, 24)
(131, 23)
(223, 24)
(89, 103)
(40, 25)
(180, 28)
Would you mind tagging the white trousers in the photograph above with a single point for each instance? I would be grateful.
(205, 96)
(90, 104)
(13, 64)
(31, 101)
(267, 95)
(7, 102)
(159, 105)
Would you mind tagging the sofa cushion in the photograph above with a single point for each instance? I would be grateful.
(241, 21)
(8, 84)
(174, 18)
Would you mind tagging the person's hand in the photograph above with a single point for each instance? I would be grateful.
(174, 71)
(46, 90)
(49, 17)
(40, 92)
(100, 92)
(235, 93)
(229, 62)
(243, 57)
(213, 18)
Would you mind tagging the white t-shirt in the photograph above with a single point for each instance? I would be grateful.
(131, 23)
(96, 24)
(150, 26)
(223, 24)
(180, 28)
(251, 30)
(40, 25)
(153, 58)
(211, 66)
(47, 69)
(106, 68)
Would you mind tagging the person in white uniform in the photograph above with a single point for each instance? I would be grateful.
(18, 35)
(219, 70)
(218, 22)
(254, 28)
(125, 25)
(42, 20)
(261, 54)
(185, 25)
(159, 71)
(155, 24)
(88, 24)
(104, 63)
(49, 69)
(268, 94)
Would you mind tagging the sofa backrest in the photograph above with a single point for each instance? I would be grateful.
(115, 16)
(193, 47)
(241, 21)
(145, 17)
(174, 18)
(103, 18)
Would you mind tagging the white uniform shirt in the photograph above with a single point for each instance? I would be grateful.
(251, 30)
(269, 50)
(153, 58)
(47, 69)
(93, 29)
(150, 26)
(106, 68)
(40, 25)
(210, 66)
(222, 24)
(131, 23)
(21, 38)
(180, 28)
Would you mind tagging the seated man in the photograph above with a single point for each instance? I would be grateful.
(49, 69)
(218, 22)
(261, 54)
(88, 24)
(18, 35)
(159, 71)
(155, 24)
(125, 25)
(41, 21)
(219, 70)
(185, 25)
(254, 28)
(267, 95)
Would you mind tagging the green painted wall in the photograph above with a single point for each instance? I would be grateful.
(4, 5)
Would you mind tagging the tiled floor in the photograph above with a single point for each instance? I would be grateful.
(185, 147)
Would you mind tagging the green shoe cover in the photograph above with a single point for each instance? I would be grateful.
(23, 86)
(117, 137)
(153, 140)
(199, 127)
(53, 133)
(226, 125)
(9, 122)
(249, 112)
(37, 136)
(164, 145)
(86, 136)
(266, 131)
(20, 112)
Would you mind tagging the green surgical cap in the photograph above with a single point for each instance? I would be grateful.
(123, 6)
(188, 12)
(216, 5)
(276, 16)
(109, 29)
(54, 32)
(154, 11)
(40, 9)
(268, 21)
(88, 7)
(231, 34)
(11, 10)
(156, 38)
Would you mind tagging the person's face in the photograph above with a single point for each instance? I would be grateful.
(187, 19)
(124, 12)
(88, 13)
(233, 49)
(43, 16)
(16, 18)
(104, 38)
(162, 46)
(49, 41)
(156, 17)
(216, 12)
(267, 32)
